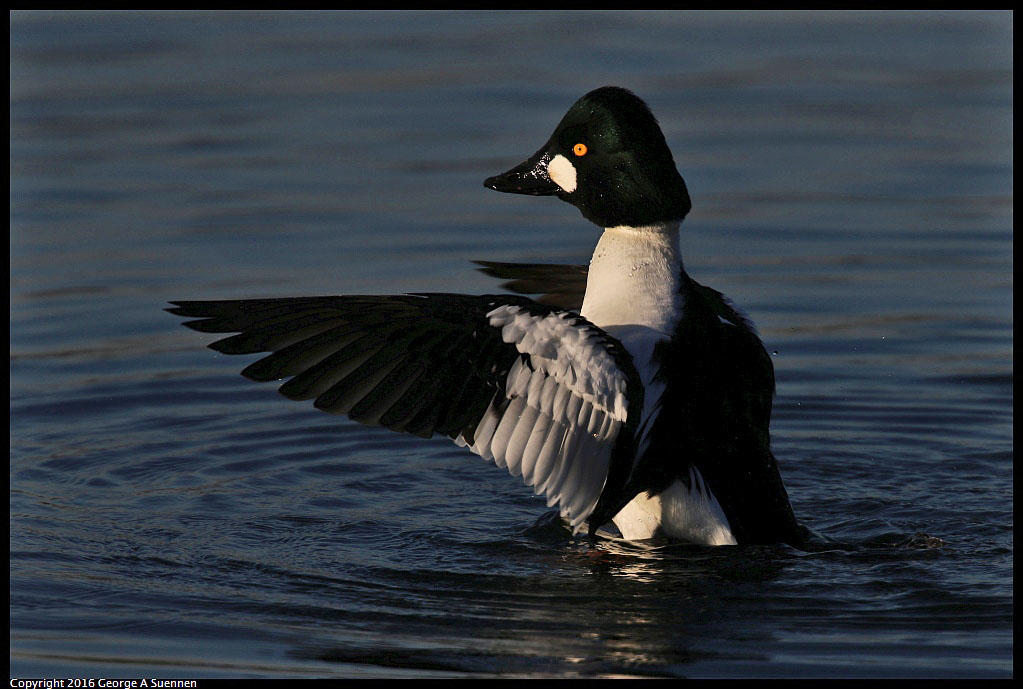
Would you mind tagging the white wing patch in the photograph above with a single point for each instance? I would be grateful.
(565, 405)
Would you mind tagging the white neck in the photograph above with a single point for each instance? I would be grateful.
(634, 278)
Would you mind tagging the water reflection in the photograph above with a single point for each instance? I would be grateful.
(612, 609)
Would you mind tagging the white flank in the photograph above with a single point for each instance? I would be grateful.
(562, 171)
(689, 514)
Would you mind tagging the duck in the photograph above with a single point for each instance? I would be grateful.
(635, 400)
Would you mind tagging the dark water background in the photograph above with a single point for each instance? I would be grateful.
(852, 184)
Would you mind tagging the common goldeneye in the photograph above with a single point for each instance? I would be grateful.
(644, 400)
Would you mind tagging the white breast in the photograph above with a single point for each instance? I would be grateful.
(632, 292)
(634, 278)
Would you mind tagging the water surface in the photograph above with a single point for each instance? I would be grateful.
(852, 184)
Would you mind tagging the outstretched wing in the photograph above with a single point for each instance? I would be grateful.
(533, 388)
(559, 285)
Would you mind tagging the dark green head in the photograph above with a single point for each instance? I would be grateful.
(609, 159)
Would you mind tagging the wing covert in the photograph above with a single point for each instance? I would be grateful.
(562, 285)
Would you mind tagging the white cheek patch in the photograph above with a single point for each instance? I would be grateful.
(562, 171)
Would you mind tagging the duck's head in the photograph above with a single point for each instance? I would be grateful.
(608, 158)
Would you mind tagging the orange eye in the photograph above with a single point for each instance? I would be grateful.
(579, 149)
